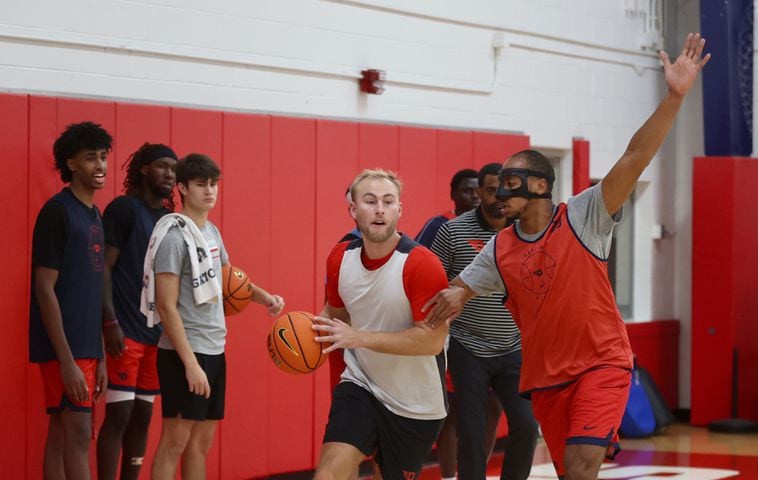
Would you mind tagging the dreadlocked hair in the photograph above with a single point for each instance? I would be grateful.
(133, 167)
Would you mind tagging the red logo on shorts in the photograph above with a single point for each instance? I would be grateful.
(409, 475)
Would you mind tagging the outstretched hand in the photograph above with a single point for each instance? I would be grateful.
(444, 307)
(682, 73)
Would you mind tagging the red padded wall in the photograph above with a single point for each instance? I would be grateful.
(336, 166)
(377, 146)
(724, 307)
(746, 286)
(43, 183)
(496, 147)
(247, 236)
(656, 345)
(417, 158)
(454, 152)
(581, 165)
(13, 368)
(281, 210)
(293, 177)
(199, 131)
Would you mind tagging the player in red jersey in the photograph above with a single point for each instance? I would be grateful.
(551, 264)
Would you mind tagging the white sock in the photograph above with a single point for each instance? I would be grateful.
(449, 478)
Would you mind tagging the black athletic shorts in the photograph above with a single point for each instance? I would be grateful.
(359, 419)
(177, 400)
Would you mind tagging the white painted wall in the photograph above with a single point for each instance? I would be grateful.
(581, 68)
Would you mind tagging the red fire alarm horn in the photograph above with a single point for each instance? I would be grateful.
(372, 81)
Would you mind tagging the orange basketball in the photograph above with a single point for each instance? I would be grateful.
(292, 343)
(237, 289)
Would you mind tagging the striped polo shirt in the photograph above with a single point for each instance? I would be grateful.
(485, 327)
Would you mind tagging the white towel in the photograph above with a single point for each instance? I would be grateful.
(201, 262)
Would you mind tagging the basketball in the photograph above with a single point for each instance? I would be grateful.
(237, 289)
(292, 344)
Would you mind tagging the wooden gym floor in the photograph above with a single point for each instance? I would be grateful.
(683, 452)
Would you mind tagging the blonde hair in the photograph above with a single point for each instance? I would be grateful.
(376, 174)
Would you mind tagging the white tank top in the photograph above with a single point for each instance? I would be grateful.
(409, 386)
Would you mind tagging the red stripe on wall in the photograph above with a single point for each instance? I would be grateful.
(293, 182)
(581, 165)
(417, 159)
(496, 147)
(454, 152)
(14, 158)
(247, 234)
(377, 146)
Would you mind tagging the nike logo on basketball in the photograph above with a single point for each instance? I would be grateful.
(286, 342)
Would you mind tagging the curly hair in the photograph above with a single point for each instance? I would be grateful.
(145, 155)
(75, 138)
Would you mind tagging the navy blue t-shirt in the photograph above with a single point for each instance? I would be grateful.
(68, 237)
(128, 223)
(426, 236)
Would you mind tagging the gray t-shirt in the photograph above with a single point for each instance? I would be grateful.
(204, 324)
(589, 219)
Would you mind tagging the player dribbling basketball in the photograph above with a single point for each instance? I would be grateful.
(391, 400)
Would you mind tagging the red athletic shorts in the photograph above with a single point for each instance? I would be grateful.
(55, 395)
(135, 370)
(585, 412)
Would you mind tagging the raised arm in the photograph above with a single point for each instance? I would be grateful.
(621, 180)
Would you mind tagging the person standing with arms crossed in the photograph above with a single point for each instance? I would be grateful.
(131, 347)
(552, 267)
(485, 348)
(66, 311)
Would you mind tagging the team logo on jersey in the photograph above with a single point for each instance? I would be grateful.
(96, 248)
(281, 334)
(476, 244)
(537, 272)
